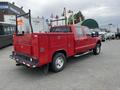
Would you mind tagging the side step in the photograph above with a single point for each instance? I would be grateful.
(78, 55)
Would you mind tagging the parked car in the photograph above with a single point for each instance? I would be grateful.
(102, 35)
(6, 34)
(110, 35)
(117, 35)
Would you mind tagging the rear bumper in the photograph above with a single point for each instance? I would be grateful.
(25, 60)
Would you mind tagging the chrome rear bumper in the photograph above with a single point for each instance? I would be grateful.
(24, 60)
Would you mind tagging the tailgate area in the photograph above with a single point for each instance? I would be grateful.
(25, 60)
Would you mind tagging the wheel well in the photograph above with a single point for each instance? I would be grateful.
(60, 51)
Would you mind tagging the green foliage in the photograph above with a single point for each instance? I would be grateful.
(78, 17)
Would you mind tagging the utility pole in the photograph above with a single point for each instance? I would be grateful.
(71, 12)
(109, 26)
(65, 15)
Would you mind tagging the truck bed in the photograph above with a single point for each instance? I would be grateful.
(43, 45)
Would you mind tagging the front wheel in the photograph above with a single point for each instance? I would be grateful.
(58, 63)
(97, 49)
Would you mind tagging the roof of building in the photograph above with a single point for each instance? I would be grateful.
(90, 23)
(12, 7)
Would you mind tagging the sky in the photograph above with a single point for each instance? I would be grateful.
(103, 11)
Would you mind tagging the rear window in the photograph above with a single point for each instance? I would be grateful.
(87, 30)
(60, 29)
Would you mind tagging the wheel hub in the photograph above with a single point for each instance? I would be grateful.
(98, 49)
(59, 62)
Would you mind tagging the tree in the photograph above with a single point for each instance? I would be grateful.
(77, 17)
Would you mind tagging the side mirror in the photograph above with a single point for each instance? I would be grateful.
(23, 32)
(95, 34)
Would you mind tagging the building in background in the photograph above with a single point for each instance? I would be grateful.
(7, 15)
(8, 21)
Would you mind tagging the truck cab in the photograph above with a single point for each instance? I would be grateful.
(36, 49)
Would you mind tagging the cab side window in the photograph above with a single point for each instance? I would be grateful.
(79, 32)
(87, 31)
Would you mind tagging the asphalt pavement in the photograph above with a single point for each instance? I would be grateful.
(87, 72)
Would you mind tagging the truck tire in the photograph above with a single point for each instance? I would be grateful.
(58, 63)
(97, 49)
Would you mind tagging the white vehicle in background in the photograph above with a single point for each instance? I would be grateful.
(102, 34)
(110, 35)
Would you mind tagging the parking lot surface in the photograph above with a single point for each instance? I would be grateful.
(87, 72)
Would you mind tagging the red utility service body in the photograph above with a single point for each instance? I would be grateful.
(41, 47)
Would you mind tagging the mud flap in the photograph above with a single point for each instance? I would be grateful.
(46, 69)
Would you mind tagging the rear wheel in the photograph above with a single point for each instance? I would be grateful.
(58, 63)
(97, 49)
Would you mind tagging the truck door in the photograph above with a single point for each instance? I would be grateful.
(90, 40)
(80, 40)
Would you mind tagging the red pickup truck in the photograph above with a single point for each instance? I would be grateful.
(53, 47)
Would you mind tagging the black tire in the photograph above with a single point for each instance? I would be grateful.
(97, 49)
(58, 63)
(103, 40)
